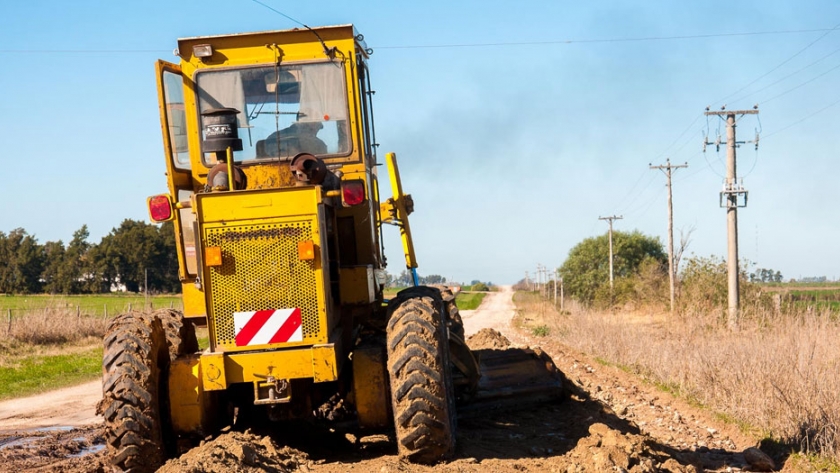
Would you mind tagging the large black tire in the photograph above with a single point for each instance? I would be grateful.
(421, 386)
(135, 365)
(180, 332)
(454, 321)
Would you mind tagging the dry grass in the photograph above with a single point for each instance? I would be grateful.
(52, 326)
(778, 373)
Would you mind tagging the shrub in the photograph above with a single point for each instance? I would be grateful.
(541, 331)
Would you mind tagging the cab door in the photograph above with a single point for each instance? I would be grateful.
(173, 122)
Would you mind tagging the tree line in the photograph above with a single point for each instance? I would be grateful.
(640, 270)
(126, 258)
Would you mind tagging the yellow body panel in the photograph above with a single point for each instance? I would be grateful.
(320, 363)
(258, 233)
(357, 285)
(188, 403)
(241, 206)
(370, 386)
(194, 305)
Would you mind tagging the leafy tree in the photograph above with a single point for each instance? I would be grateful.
(404, 279)
(136, 250)
(21, 262)
(765, 275)
(433, 279)
(586, 271)
(53, 266)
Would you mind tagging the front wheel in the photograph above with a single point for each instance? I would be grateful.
(421, 384)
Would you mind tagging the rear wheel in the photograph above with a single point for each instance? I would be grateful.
(135, 365)
(180, 333)
(421, 384)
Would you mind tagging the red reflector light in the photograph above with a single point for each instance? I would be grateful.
(160, 208)
(353, 192)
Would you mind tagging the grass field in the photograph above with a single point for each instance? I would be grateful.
(92, 304)
(56, 341)
(812, 296)
(469, 301)
(25, 375)
(776, 376)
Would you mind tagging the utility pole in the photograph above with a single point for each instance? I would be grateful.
(561, 294)
(610, 220)
(729, 198)
(672, 271)
(555, 287)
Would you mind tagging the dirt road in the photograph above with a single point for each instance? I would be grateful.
(496, 312)
(68, 407)
(611, 422)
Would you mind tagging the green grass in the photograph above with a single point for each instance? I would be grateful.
(35, 374)
(469, 301)
(90, 304)
(540, 331)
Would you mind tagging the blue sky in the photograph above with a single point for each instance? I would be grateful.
(511, 151)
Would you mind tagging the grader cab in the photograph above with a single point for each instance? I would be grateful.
(273, 190)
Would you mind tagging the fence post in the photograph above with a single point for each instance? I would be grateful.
(171, 304)
(105, 306)
(129, 306)
(78, 312)
(9, 328)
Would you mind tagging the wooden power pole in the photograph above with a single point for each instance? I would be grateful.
(610, 220)
(729, 198)
(672, 271)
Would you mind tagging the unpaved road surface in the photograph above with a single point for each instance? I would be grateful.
(68, 407)
(611, 421)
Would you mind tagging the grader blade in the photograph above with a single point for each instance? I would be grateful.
(514, 377)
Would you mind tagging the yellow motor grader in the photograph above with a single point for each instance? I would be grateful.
(273, 189)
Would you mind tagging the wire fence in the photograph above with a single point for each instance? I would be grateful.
(61, 311)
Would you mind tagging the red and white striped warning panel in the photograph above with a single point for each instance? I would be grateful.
(267, 326)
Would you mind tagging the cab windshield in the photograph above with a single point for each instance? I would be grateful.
(283, 110)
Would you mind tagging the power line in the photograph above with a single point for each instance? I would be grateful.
(279, 12)
(802, 119)
(605, 40)
(826, 33)
(787, 76)
(624, 208)
(84, 51)
(801, 85)
(680, 136)
(453, 45)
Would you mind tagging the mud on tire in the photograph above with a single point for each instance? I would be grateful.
(421, 385)
(180, 333)
(135, 363)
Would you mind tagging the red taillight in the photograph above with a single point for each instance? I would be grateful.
(353, 192)
(160, 208)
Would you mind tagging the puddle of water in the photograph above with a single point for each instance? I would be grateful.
(88, 451)
(57, 428)
(19, 441)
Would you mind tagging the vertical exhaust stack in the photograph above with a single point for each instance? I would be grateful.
(221, 136)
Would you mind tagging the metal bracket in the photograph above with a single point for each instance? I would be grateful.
(730, 196)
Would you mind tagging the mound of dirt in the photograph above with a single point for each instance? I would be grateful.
(488, 339)
(239, 452)
(606, 449)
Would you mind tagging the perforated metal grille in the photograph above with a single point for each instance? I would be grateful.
(261, 270)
